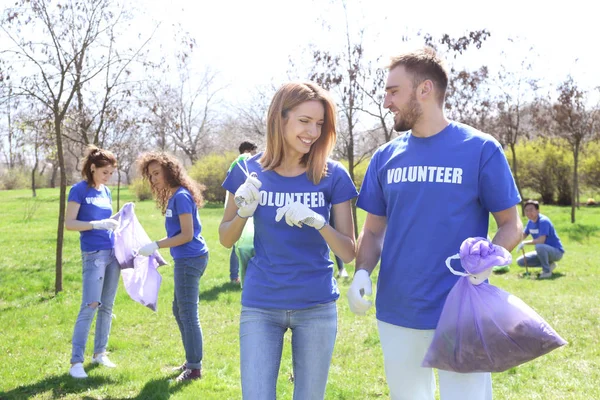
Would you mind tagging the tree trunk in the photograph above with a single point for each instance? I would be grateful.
(33, 171)
(516, 175)
(58, 284)
(53, 176)
(350, 152)
(118, 189)
(575, 186)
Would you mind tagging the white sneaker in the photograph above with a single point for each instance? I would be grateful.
(545, 275)
(343, 273)
(102, 359)
(553, 266)
(77, 371)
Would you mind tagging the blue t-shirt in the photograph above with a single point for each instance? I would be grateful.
(291, 268)
(94, 205)
(543, 226)
(182, 202)
(435, 192)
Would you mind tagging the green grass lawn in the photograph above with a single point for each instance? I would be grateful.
(36, 325)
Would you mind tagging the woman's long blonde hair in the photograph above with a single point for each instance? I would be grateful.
(288, 97)
(175, 175)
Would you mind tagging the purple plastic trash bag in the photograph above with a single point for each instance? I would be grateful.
(140, 275)
(483, 328)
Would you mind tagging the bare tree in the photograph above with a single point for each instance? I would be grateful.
(185, 113)
(516, 107)
(54, 62)
(576, 122)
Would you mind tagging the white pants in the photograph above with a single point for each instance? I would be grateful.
(403, 353)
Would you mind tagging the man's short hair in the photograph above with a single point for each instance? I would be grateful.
(247, 146)
(424, 64)
(535, 203)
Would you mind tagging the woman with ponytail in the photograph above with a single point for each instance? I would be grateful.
(89, 211)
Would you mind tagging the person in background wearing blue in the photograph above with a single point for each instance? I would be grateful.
(179, 197)
(290, 191)
(548, 247)
(425, 192)
(246, 149)
(89, 211)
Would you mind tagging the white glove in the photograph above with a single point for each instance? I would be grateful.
(298, 214)
(520, 246)
(106, 224)
(361, 286)
(247, 197)
(148, 249)
(479, 278)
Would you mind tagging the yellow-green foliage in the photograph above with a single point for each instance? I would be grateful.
(211, 171)
(359, 171)
(141, 189)
(590, 166)
(15, 178)
(546, 168)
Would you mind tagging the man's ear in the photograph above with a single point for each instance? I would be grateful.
(425, 89)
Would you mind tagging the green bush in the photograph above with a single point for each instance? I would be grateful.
(142, 189)
(15, 178)
(546, 167)
(590, 166)
(211, 171)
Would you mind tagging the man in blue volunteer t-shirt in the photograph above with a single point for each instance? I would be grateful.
(424, 193)
(548, 247)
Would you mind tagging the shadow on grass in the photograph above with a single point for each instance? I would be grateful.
(156, 389)
(213, 293)
(59, 385)
(533, 275)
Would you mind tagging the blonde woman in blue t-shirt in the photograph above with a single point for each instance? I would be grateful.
(290, 190)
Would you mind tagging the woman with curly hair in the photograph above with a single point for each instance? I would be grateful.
(179, 197)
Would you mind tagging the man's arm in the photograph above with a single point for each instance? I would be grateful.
(510, 228)
(539, 240)
(370, 242)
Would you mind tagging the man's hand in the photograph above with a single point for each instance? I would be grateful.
(105, 224)
(477, 279)
(148, 249)
(298, 214)
(247, 197)
(520, 246)
(361, 286)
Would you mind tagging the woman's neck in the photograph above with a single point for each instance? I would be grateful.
(290, 167)
(174, 190)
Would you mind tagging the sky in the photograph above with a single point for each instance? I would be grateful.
(250, 43)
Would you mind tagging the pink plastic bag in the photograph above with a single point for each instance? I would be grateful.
(140, 275)
(483, 328)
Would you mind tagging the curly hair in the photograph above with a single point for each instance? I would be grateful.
(175, 176)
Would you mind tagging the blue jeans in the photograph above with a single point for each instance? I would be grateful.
(100, 278)
(543, 256)
(261, 342)
(185, 306)
(234, 265)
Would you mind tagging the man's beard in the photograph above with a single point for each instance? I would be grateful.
(408, 116)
